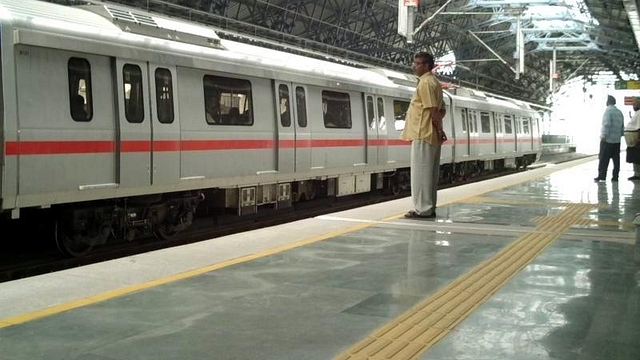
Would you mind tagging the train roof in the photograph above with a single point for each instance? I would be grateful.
(122, 26)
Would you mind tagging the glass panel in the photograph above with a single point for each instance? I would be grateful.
(485, 122)
(164, 95)
(473, 128)
(301, 106)
(381, 119)
(285, 115)
(464, 119)
(370, 114)
(336, 110)
(227, 101)
(399, 113)
(508, 124)
(80, 98)
(133, 96)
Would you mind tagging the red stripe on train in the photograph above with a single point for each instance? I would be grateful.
(166, 145)
(133, 146)
(195, 145)
(337, 143)
(58, 147)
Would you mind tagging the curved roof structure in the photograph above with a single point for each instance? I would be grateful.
(485, 40)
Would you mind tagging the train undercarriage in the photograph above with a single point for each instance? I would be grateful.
(81, 227)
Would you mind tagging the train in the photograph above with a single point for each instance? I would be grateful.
(118, 122)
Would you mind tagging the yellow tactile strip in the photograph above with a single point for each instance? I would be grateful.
(415, 331)
(497, 200)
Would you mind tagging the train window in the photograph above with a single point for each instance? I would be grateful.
(508, 124)
(485, 122)
(227, 101)
(336, 110)
(464, 119)
(525, 126)
(399, 113)
(164, 95)
(133, 97)
(382, 122)
(370, 113)
(285, 117)
(473, 127)
(301, 106)
(80, 98)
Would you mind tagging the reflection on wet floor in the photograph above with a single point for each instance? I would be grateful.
(523, 204)
(578, 299)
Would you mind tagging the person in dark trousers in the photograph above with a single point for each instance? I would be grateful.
(423, 127)
(631, 137)
(611, 131)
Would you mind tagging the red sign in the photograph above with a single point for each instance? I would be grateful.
(414, 3)
(629, 100)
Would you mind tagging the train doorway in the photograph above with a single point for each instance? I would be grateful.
(286, 140)
(134, 123)
(165, 126)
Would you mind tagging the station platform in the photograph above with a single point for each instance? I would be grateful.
(541, 264)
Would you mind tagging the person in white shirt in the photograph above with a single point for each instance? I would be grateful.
(631, 138)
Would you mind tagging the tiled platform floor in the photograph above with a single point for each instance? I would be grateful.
(579, 299)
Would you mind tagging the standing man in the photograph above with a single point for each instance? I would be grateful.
(610, 134)
(423, 127)
(631, 137)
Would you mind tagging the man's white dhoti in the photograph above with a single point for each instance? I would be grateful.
(425, 165)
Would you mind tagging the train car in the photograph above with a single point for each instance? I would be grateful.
(119, 122)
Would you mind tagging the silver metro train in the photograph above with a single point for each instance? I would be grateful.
(117, 121)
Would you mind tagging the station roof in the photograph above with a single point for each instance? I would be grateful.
(595, 41)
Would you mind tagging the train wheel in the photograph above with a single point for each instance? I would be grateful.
(173, 224)
(392, 186)
(166, 232)
(74, 245)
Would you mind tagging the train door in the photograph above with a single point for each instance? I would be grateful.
(486, 140)
(165, 125)
(472, 116)
(134, 124)
(517, 120)
(499, 134)
(383, 151)
(528, 133)
(509, 139)
(65, 129)
(535, 133)
(286, 130)
(447, 151)
(464, 149)
(302, 132)
(372, 129)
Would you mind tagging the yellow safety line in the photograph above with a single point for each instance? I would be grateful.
(30, 316)
(416, 330)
